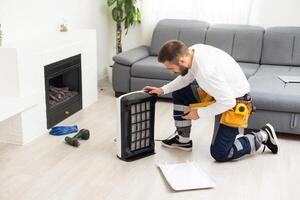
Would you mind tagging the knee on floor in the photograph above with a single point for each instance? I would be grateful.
(218, 155)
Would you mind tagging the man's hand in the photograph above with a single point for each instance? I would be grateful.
(153, 90)
(191, 114)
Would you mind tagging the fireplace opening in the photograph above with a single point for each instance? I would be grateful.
(63, 89)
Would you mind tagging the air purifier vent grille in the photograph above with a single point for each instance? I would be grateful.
(140, 125)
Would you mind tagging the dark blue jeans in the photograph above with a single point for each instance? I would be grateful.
(225, 146)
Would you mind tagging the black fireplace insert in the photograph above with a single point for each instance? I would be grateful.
(63, 89)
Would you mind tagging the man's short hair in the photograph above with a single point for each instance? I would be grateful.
(171, 51)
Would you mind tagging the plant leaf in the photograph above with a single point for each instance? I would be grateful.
(120, 2)
(138, 16)
(126, 12)
(117, 14)
(110, 2)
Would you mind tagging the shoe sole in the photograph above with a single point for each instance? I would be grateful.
(176, 147)
(273, 136)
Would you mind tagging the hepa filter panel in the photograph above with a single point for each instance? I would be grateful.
(135, 137)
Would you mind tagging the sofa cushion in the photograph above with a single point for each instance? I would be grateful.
(150, 68)
(249, 69)
(270, 93)
(189, 31)
(242, 42)
(277, 70)
(281, 46)
(295, 70)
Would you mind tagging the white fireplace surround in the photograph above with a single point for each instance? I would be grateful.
(22, 83)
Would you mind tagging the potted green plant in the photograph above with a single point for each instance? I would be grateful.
(126, 13)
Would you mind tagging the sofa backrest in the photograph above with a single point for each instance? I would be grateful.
(189, 31)
(242, 42)
(245, 43)
(281, 46)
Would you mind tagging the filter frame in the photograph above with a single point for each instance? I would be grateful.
(127, 122)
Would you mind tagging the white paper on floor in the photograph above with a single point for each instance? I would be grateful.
(186, 176)
(290, 79)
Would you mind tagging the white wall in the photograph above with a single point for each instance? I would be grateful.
(275, 13)
(21, 19)
(212, 11)
(255, 12)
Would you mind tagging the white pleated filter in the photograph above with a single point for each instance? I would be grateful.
(140, 125)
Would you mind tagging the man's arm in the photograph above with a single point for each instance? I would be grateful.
(178, 83)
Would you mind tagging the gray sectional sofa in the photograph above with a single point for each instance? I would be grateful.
(263, 54)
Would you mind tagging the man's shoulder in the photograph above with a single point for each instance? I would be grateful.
(198, 46)
(204, 50)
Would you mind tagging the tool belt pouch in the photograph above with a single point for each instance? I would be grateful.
(205, 99)
(238, 116)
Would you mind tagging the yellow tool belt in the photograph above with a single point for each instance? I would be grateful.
(237, 116)
(205, 99)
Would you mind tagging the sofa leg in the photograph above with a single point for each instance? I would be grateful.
(117, 94)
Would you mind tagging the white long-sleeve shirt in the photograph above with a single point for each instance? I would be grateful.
(218, 74)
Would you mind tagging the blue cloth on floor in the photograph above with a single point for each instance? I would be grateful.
(63, 130)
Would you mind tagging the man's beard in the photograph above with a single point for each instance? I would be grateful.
(183, 70)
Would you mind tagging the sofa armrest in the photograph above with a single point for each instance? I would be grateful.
(131, 56)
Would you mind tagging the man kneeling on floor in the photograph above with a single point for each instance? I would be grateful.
(220, 76)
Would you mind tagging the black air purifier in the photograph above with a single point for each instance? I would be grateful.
(135, 137)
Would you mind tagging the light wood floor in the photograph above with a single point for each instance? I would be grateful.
(47, 168)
